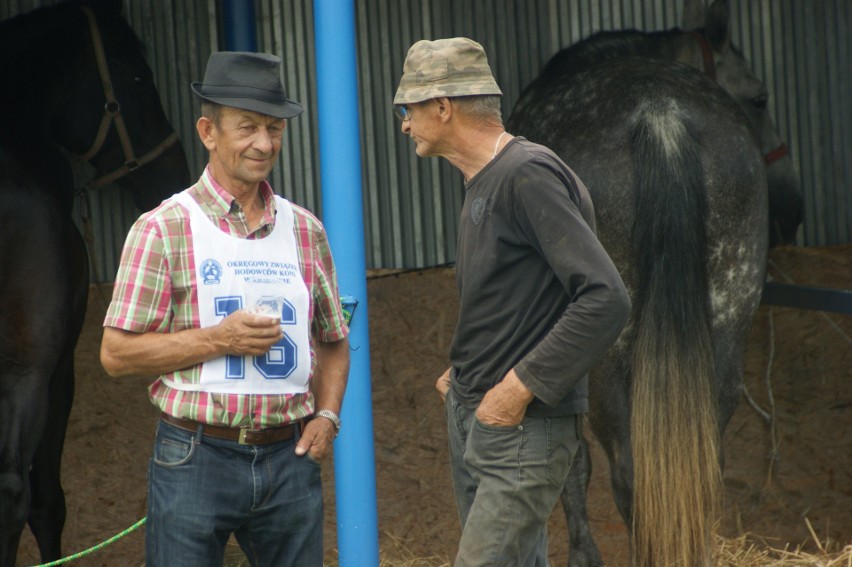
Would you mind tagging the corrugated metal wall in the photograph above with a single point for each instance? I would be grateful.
(801, 49)
(411, 205)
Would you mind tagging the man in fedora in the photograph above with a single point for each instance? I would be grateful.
(539, 302)
(227, 294)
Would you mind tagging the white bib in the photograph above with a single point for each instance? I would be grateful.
(232, 271)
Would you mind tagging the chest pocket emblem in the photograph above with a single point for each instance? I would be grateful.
(477, 210)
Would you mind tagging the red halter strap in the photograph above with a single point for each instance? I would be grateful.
(776, 154)
(707, 54)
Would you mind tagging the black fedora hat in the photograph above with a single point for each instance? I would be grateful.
(246, 80)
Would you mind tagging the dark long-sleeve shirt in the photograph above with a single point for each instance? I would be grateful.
(538, 293)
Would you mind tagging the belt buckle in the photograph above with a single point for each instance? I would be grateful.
(243, 433)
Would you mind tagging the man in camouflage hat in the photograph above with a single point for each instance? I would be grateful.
(540, 301)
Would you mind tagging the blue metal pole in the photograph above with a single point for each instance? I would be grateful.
(238, 19)
(340, 167)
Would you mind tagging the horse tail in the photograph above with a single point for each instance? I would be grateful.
(677, 477)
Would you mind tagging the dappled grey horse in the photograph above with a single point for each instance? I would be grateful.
(677, 171)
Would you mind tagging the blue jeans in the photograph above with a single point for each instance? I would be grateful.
(507, 481)
(202, 489)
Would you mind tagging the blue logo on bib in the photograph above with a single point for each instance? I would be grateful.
(211, 272)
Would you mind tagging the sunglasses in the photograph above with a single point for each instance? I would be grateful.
(401, 111)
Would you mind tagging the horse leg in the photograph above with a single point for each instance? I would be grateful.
(14, 496)
(621, 475)
(583, 552)
(13, 500)
(48, 510)
(609, 418)
(20, 429)
(24, 375)
(729, 383)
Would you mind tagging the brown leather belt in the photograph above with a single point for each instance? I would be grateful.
(242, 435)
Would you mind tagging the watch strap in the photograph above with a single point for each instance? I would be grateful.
(331, 416)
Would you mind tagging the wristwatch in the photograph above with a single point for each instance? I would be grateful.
(331, 416)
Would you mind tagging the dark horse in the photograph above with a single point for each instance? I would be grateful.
(679, 183)
(74, 82)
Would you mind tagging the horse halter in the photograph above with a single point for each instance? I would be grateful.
(710, 71)
(112, 114)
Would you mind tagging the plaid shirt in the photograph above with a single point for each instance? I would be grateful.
(155, 291)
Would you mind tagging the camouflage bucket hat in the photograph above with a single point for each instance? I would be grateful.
(445, 67)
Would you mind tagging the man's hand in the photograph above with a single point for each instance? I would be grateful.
(328, 385)
(249, 334)
(125, 353)
(317, 439)
(505, 403)
(443, 384)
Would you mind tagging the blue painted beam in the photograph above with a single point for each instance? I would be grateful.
(343, 217)
(239, 24)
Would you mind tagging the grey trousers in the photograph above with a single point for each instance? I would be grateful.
(507, 481)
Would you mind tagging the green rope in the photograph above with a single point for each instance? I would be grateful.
(95, 548)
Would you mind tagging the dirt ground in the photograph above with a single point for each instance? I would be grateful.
(799, 366)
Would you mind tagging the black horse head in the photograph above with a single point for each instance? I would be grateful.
(83, 82)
